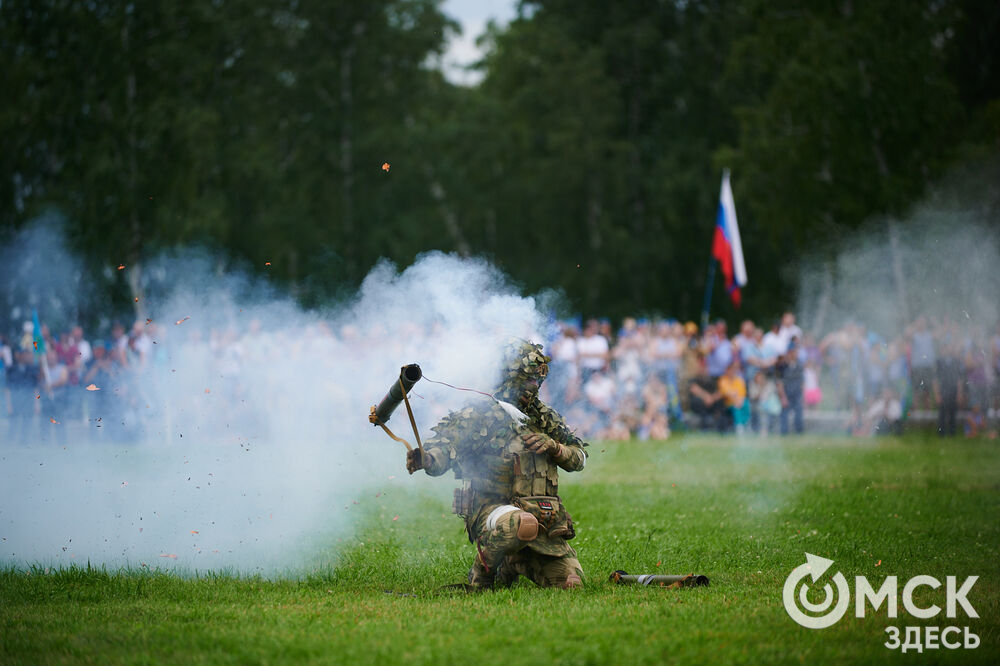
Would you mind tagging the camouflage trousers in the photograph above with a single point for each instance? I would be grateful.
(508, 547)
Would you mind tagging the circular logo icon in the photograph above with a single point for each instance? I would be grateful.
(815, 567)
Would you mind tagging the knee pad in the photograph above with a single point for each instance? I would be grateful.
(527, 530)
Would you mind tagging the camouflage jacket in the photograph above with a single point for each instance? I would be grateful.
(482, 444)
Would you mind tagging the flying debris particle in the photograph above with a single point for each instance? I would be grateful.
(53, 420)
(879, 563)
(121, 267)
(148, 322)
(266, 263)
(170, 555)
(35, 342)
(207, 391)
(385, 167)
(124, 483)
(578, 265)
(392, 476)
(136, 299)
(181, 321)
(194, 531)
(395, 518)
(659, 563)
(93, 387)
(38, 396)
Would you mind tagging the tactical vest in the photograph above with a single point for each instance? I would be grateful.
(495, 467)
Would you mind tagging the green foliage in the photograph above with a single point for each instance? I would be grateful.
(742, 512)
(588, 159)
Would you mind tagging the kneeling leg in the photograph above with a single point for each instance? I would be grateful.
(507, 531)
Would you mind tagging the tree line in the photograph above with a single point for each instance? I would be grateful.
(317, 137)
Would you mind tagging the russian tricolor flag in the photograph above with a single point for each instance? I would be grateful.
(726, 246)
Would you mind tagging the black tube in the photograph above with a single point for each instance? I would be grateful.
(408, 376)
(659, 580)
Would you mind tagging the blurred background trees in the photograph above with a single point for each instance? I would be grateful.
(588, 159)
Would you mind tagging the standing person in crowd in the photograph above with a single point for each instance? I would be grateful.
(119, 340)
(55, 400)
(733, 388)
(103, 374)
(601, 399)
(877, 361)
(948, 388)
(84, 351)
(812, 393)
(627, 355)
(790, 389)
(565, 374)
(719, 349)
(6, 361)
(833, 351)
(745, 335)
(27, 336)
(754, 361)
(23, 382)
(923, 361)
(788, 331)
(977, 371)
(771, 343)
(593, 351)
(764, 392)
(690, 366)
(141, 345)
(897, 373)
(665, 352)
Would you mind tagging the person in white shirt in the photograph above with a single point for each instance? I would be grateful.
(593, 351)
(772, 344)
(788, 331)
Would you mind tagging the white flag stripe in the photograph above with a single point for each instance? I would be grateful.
(733, 231)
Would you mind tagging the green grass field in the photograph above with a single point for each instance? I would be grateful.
(742, 513)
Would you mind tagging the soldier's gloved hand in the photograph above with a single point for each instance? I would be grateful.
(414, 461)
(541, 444)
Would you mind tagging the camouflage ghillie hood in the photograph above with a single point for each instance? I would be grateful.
(523, 361)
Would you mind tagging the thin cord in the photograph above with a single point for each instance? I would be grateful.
(459, 388)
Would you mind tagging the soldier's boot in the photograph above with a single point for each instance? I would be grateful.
(511, 532)
(506, 573)
(479, 575)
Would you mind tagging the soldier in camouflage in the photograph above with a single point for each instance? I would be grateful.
(510, 493)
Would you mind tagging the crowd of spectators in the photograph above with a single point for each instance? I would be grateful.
(643, 380)
(46, 374)
(654, 376)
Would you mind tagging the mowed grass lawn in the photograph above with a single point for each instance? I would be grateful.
(743, 513)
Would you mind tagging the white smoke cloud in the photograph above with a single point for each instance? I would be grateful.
(941, 262)
(246, 435)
